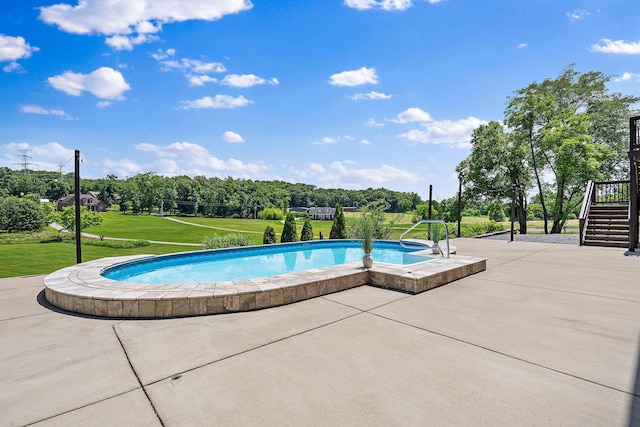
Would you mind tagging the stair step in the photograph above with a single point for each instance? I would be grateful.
(606, 237)
(600, 232)
(607, 244)
(608, 215)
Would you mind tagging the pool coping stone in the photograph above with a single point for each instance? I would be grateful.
(82, 289)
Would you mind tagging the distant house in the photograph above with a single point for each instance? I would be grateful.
(89, 201)
(322, 214)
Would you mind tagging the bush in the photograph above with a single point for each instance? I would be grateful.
(116, 244)
(269, 236)
(230, 240)
(289, 231)
(271, 213)
(20, 215)
(496, 213)
(475, 229)
(307, 231)
(338, 228)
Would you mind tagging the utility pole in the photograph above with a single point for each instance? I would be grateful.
(459, 203)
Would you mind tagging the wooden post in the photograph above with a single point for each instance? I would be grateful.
(513, 209)
(78, 207)
(430, 198)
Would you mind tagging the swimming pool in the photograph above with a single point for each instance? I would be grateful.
(258, 261)
(83, 288)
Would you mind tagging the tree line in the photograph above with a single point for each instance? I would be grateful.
(209, 196)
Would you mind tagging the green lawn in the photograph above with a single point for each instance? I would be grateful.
(23, 259)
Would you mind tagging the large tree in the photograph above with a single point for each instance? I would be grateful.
(572, 128)
(496, 168)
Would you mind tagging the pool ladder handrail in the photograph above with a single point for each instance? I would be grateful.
(435, 244)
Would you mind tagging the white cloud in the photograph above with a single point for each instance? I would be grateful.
(382, 4)
(333, 139)
(103, 104)
(230, 136)
(194, 70)
(37, 109)
(12, 66)
(617, 46)
(126, 43)
(192, 159)
(627, 76)
(373, 123)
(346, 173)
(365, 142)
(246, 80)
(316, 168)
(370, 95)
(13, 48)
(122, 167)
(454, 133)
(578, 14)
(522, 45)
(201, 80)
(105, 83)
(130, 22)
(218, 101)
(327, 140)
(413, 114)
(357, 77)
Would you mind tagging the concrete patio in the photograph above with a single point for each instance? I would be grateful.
(547, 335)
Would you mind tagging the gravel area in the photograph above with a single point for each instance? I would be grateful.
(565, 239)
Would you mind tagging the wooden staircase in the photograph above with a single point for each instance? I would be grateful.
(608, 225)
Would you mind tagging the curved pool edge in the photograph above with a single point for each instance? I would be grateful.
(81, 288)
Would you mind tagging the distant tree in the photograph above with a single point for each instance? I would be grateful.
(307, 230)
(67, 218)
(289, 230)
(58, 189)
(20, 215)
(338, 228)
(269, 236)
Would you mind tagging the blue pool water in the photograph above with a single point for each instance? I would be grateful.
(258, 261)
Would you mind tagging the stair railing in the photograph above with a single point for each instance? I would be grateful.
(587, 201)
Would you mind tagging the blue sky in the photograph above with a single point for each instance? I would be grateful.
(335, 93)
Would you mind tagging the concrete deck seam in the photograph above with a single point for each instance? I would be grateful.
(79, 407)
(24, 317)
(254, 348)
(557, 290)
(506, 355)
(155, 411)
(510, 260)
(372, 308)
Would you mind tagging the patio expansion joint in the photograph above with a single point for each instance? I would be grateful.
(257, 347)
(144, 390)
(528, 362)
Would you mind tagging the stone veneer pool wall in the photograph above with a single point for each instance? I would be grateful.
(81, 288)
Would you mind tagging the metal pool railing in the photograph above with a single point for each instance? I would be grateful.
(435, 244)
